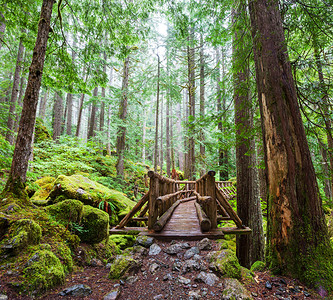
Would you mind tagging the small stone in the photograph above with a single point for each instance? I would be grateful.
(207, 278)
(268, 285)
(195, 286)
(205, 244)
(154, 267)
(177, 266)
(306, 294)
(194, 295)
(145, 241)
(254, 294)
(154, 249)
(157, 297)
(3, 297)
(190, 265)
(96, 263)
(183, 280)
(131, 279)
(108, 266)
(191, 252)
(78, 290)
(167, 277)
(185, 245)
(174, 249)
(113, 295)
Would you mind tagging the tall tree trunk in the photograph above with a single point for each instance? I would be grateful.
(108, 130)
(222, 152)
(180, 154)
(185, 115)
(157, 114)
(326, 109)
(144, 136)
(15, 91)
(2, 27)
(298, 242)
(58, 116)
(250, 248)
(79, 118)
(102, 114)
(121, 134)
(202, 106)
(70, 97)
(19, 103)
(191, 103)
(172, 149)
(161, 140)
(92, 124)
(17, 176)
(42, 107)
(167, 136)
(326, 171)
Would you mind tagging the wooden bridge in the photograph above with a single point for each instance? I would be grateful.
(184, 209)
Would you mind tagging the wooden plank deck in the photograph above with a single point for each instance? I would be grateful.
(183, 224)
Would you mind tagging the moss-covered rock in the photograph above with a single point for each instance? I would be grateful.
(123, 241)
(258, 266)
(123, 266)
(43, 271)
(95, 224)
(226, 264)
(89, 192)
(66, 211)
(233, 290)
(247, 275)
(22, 233)
(41, 132)
(45, 186)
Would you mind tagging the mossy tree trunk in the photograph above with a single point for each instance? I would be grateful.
(202, 107)
(15, 91)
(57, 116)
(121, 134)
(92, 123)
(298, 242)
(250, 247)
(22, 152)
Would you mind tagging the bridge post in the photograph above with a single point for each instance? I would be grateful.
(154, 192)
(211, 191)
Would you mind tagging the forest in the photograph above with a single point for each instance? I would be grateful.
(94, 94)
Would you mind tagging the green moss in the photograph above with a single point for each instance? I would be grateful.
(121, 266)
(226, 263)
(95, 225)
(43, 271)
(46, 185)
(88, 191)
(123, 241)
(41, 132)
(14, 192)
(258, 266)
(247, 275)
(22, 233)
(66, 211)
(63, 252)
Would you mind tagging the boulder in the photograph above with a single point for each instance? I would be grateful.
(258, 266)
(95, 223)
(154, 249)
(225, 263)
(191, 252)
(145, 241)
(113, 295)
(89, 192)
(43, 271)
(66, 211)
(204, 244)
(24, 232)
(123, 266)
(45, 186)
(208, 278)
(233, 289)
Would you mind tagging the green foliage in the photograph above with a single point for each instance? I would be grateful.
(6, 153)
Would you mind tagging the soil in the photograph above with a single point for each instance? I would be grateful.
(148, 285)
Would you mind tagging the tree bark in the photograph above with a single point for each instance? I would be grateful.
(298, 243)
(202, 107)
(191, 103)
(22, 152)
(250, 247)
(102, 114)
(161, 140)
(157, 114)
(57, 116)
(20, 102)
(15, 91)
(2, 27)
(108, 130)
(179, 131)
(78, 126)
(92, 124)
(121, 134)
(144, 136)
(167, 134)
(42, 107)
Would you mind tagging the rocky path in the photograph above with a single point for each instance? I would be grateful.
(176, 270)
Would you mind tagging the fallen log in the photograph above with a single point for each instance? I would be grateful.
(205, 223)
(160, 223)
